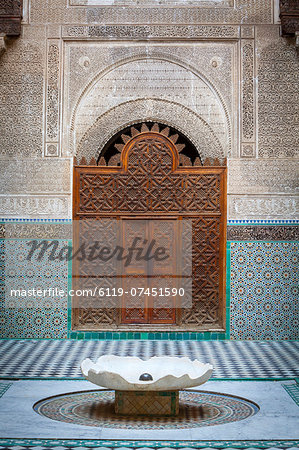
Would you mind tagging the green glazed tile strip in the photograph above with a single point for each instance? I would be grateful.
(129, 335)
(108, 443)
(228, 273)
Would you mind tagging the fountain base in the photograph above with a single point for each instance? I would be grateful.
(150, 403)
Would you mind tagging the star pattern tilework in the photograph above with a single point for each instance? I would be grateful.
(264, 290)
(31, 317)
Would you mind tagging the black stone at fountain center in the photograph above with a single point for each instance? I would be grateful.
(146, 377)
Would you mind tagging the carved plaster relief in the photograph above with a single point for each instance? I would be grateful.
(278, 95)
(56, 11)
(150, 78)
(205, 3)
(262, 176)
(27, 206)
(21, 98)
(247, 98)
(35, 230)
(52, 97)
(163, 72)
(169, 113)
(150, 32)
(263, 207)
(262, 233)
(35, 176)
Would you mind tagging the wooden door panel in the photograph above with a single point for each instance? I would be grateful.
(149, 182)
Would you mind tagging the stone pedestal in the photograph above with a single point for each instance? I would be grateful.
(153, 403)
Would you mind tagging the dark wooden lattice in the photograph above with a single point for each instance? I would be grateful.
(150, 183)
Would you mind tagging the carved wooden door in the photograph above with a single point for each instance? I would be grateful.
(148, 177)
(149, 275)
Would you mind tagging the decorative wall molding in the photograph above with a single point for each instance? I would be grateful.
(278, 95)
(263, 176)
(199, 77)
(21, 102)
(52, 98)
(168, 113)
(180, 12)
(247, 31)
(37, 231)
(199, 3)
(247, 98)
(151, 32)
(262, 233)
(35, 176)
(263, 207)
(248, 150)
(35, 206)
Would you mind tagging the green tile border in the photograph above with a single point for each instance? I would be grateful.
(227, 289)
(153, 336)
(106, 443)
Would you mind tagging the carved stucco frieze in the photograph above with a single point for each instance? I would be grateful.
(35, 176)
(261, 207)
(21, 99)
(39, 230)
(159, 73)
(278, 95)
(169, 113)
(262, 176)
(178, 12)
(157, 79)
(248, 91)
(151, 32)
(84, 64)
(201, 3)
(28, 206)
(262, 233)
(243, 12)
(52, 97)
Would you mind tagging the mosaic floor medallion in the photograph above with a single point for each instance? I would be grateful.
(96, 408)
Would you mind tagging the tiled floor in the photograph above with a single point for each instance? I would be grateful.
(231, 359)
(51, 367)
(277, 417)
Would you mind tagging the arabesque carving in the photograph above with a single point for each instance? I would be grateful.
(149, 181)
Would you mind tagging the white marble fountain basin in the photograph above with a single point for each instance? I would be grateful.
(168, 373)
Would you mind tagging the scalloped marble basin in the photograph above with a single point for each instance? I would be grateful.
(161, 373)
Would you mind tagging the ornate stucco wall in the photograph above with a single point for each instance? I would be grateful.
(217, 70)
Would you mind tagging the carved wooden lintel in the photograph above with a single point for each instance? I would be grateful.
(289, 16)
(10, 17)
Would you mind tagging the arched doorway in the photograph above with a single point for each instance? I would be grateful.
(151, 172)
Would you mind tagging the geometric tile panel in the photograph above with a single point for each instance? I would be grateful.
(31, 316)
(264, 290)
(263, 304)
